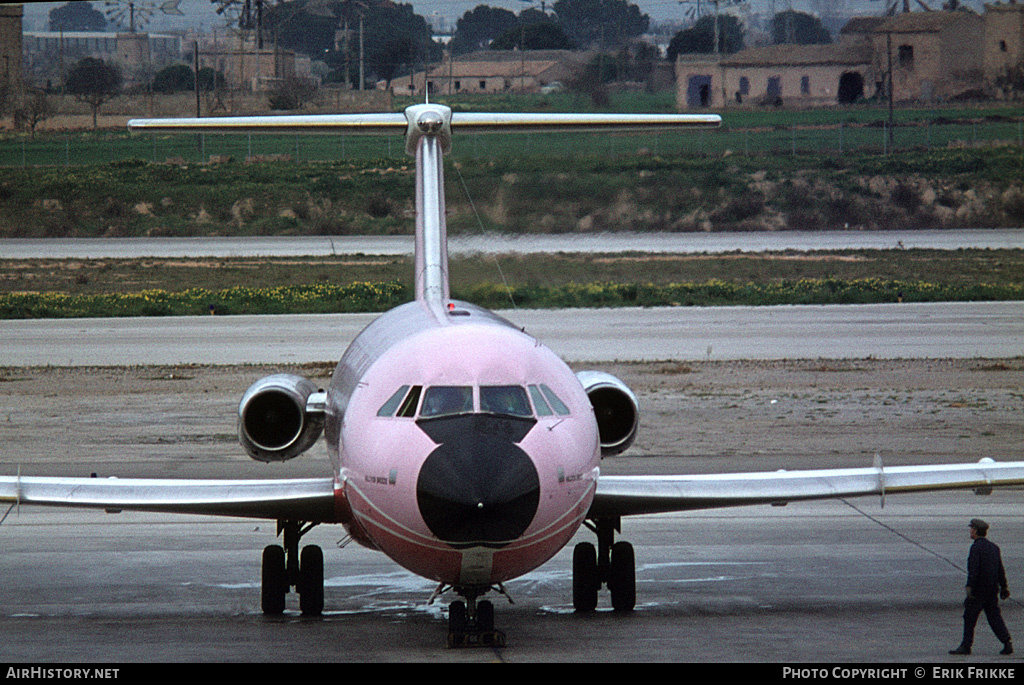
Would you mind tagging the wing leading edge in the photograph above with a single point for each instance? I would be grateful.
(634, 495)
(317, 499)
(312, 499)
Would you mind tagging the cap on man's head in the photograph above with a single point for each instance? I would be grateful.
(980, 526)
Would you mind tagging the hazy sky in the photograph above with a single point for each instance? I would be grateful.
(201, 12)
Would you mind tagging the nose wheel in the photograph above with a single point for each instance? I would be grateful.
(611, 563)
(471, 623)
(285, 568)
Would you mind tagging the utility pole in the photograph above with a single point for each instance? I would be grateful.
(888, 49)
(195, 59)
(362, 73)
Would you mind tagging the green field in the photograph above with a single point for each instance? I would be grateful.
(744, 131)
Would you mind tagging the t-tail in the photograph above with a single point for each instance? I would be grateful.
(428, 132)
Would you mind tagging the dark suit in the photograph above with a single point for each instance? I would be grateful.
(985, 579)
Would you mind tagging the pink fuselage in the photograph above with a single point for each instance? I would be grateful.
(470, 498)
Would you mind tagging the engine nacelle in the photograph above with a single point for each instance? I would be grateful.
(280, 417)
(615, 407)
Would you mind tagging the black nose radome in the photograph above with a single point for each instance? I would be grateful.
(477, 487)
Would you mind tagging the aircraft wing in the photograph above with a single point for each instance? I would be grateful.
(633, 495)
(311, 499)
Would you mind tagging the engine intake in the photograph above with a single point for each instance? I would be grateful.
(280, 417)
(615, 407)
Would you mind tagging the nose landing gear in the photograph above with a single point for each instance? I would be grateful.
(471, 623)
(611, 563)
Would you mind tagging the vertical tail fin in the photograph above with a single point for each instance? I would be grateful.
(428, 137)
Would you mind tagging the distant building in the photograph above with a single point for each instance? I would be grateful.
(49, 54)
(492, 71)
(245, 66)
(934, 57)
(11, 81)
(1004, 41)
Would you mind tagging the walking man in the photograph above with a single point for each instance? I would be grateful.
(986, 585)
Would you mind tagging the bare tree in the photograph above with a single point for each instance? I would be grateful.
(37, 108)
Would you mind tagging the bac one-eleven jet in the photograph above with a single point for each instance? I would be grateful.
(461, 446)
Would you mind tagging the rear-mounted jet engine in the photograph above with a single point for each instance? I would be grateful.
(280, 417)
(615, 407)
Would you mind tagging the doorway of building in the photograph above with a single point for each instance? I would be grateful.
(851, 87)
(698, 91)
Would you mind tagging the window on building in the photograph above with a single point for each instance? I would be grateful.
(805, 85)
(1002, 46)
(744, 85)
(906, 56)
(483, 85)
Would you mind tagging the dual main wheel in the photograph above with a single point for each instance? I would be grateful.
(309, 584)
(619, 576)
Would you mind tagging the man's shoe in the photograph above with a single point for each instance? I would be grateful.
(960, 650)
(1007, 648)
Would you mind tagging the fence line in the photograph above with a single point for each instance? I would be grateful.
(98, 148)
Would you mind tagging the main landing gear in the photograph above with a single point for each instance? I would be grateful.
(612, 564)
(471, 622)
(284, 568)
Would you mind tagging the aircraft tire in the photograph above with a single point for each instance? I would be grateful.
(485, 616)
(458, 622)
(585, 581)
(311, 573)
(622, 577)
(274, 585)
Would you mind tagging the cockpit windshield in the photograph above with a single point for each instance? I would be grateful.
(509, 400)
(441, 400)
(446, 400)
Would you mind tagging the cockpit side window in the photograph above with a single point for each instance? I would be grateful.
(408, 408)
(509, 400)
(539, 403)
(441, 400)
(556, 403)
(389, 407)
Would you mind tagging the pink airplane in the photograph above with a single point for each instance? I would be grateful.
(461, 446)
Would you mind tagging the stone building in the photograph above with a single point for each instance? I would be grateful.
(935, 56)
(932, 57)
(493, 71)
(1004, 47)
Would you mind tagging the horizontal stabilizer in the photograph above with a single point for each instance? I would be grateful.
(461, 122)
(369, 124)
(484, 122)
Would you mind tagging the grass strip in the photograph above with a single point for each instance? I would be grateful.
(376, 297)
(290, 299)
(722, 293)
